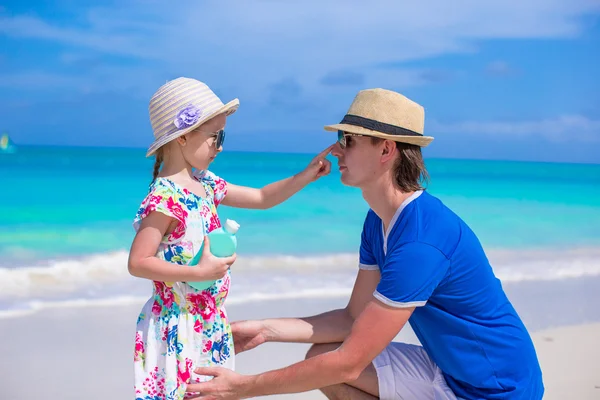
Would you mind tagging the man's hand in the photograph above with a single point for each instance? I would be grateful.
(226, 385)
(343, 364)
(248, 335)
(319, 166)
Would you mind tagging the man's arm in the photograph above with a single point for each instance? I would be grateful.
(330, 327)
(338, 366)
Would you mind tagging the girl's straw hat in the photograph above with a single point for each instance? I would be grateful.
(387, 115)
(180, 106)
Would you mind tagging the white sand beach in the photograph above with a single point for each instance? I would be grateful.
(85, 352)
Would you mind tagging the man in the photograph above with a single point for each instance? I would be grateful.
(419, 263)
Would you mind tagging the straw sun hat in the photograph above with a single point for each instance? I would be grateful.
(180, 106)
(385, 114)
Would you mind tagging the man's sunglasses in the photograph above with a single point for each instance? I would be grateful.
(342, 138)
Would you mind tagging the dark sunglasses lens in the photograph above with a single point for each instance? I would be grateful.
(341, 139)
(220, 139)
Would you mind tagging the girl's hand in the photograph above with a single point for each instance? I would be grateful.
(319, 166)
(211, 267)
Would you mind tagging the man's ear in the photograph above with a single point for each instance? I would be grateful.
(388, 150)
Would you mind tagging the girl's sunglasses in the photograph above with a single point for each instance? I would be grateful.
(219, 138)
(342, 138)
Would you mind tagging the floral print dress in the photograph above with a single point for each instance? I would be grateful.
(181, 328)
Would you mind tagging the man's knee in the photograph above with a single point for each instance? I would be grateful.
(321, 348)
(365, 387)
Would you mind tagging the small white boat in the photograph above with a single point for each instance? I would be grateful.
(6, 145)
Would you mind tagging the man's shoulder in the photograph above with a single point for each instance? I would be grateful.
(427, 223)
(428, 201)
(429, 208)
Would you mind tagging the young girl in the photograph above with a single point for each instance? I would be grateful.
(181, 328)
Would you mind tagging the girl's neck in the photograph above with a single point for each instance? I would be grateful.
(176, 167)
(184, 178)
(178, 172)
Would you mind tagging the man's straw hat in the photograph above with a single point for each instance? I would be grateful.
(180, 106)
(385, 114)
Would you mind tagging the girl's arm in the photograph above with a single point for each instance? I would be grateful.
(144, 264)
(277, 192)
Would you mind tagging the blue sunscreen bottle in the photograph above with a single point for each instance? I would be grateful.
(223, 243)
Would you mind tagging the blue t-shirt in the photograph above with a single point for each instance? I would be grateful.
(430, 259)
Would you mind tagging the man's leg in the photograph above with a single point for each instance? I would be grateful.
(400, 371)
(346, 392)
(366, 387)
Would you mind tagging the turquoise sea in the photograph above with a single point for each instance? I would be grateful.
(66, 216)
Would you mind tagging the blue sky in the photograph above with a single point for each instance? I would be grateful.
(498, 79)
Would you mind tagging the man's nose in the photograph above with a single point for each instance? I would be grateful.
(337, 151)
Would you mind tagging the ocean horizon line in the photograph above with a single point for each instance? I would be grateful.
(237, 151)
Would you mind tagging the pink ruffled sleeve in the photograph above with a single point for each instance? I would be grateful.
(217, 184)
(163, 199)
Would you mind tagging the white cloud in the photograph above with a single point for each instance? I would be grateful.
(102, 79)
(110, 42)
(566, 128)
(258, 43)
(500, 69)
(37, 80)
(254, 46)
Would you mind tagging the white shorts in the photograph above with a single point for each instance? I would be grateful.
(405, 371)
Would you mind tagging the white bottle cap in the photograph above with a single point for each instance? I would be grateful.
(231, 226)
